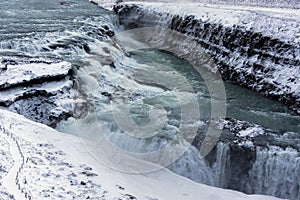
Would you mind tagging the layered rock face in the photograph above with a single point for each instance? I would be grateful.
(39, 89)
(264, 57)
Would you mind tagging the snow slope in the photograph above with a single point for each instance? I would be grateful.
(57, 166)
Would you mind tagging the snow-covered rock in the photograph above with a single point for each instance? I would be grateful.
(40, 89)
(22, 74)
(57, 165)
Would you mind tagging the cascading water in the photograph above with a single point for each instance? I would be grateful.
(119, 82)
(52, 29)
(275, 172)
(83, 35)
(220, 166)
(230, 169)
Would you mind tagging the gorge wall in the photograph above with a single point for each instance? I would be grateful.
(263, 59)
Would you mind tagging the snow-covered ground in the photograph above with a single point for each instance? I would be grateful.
(6, 163)
(258, 3)
(58, 166)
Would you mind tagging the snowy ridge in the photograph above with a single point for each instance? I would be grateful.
(10, 96)
(58, 166)
(277, 23)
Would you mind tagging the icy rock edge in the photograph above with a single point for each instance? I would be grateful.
(38, 88)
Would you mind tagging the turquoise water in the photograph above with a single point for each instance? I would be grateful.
(242, 104)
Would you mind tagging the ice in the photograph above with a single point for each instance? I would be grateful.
(251, 132)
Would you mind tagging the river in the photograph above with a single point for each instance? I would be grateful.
(108, 76)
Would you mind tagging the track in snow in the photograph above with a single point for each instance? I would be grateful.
(9, 181)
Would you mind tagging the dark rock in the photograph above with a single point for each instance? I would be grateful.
(68, 3)
(120, 187)
(130, 197)
(89, 174)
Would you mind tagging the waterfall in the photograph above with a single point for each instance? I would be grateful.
(276, 172)
(222, 162)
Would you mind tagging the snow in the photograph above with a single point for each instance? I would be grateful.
(245, 3)
(7, 161)
(19, 74)
(40, 89)
(9, 96)
(251, 132)
(58, 166)
(246, 143)
(276, 22)
(13, 172)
